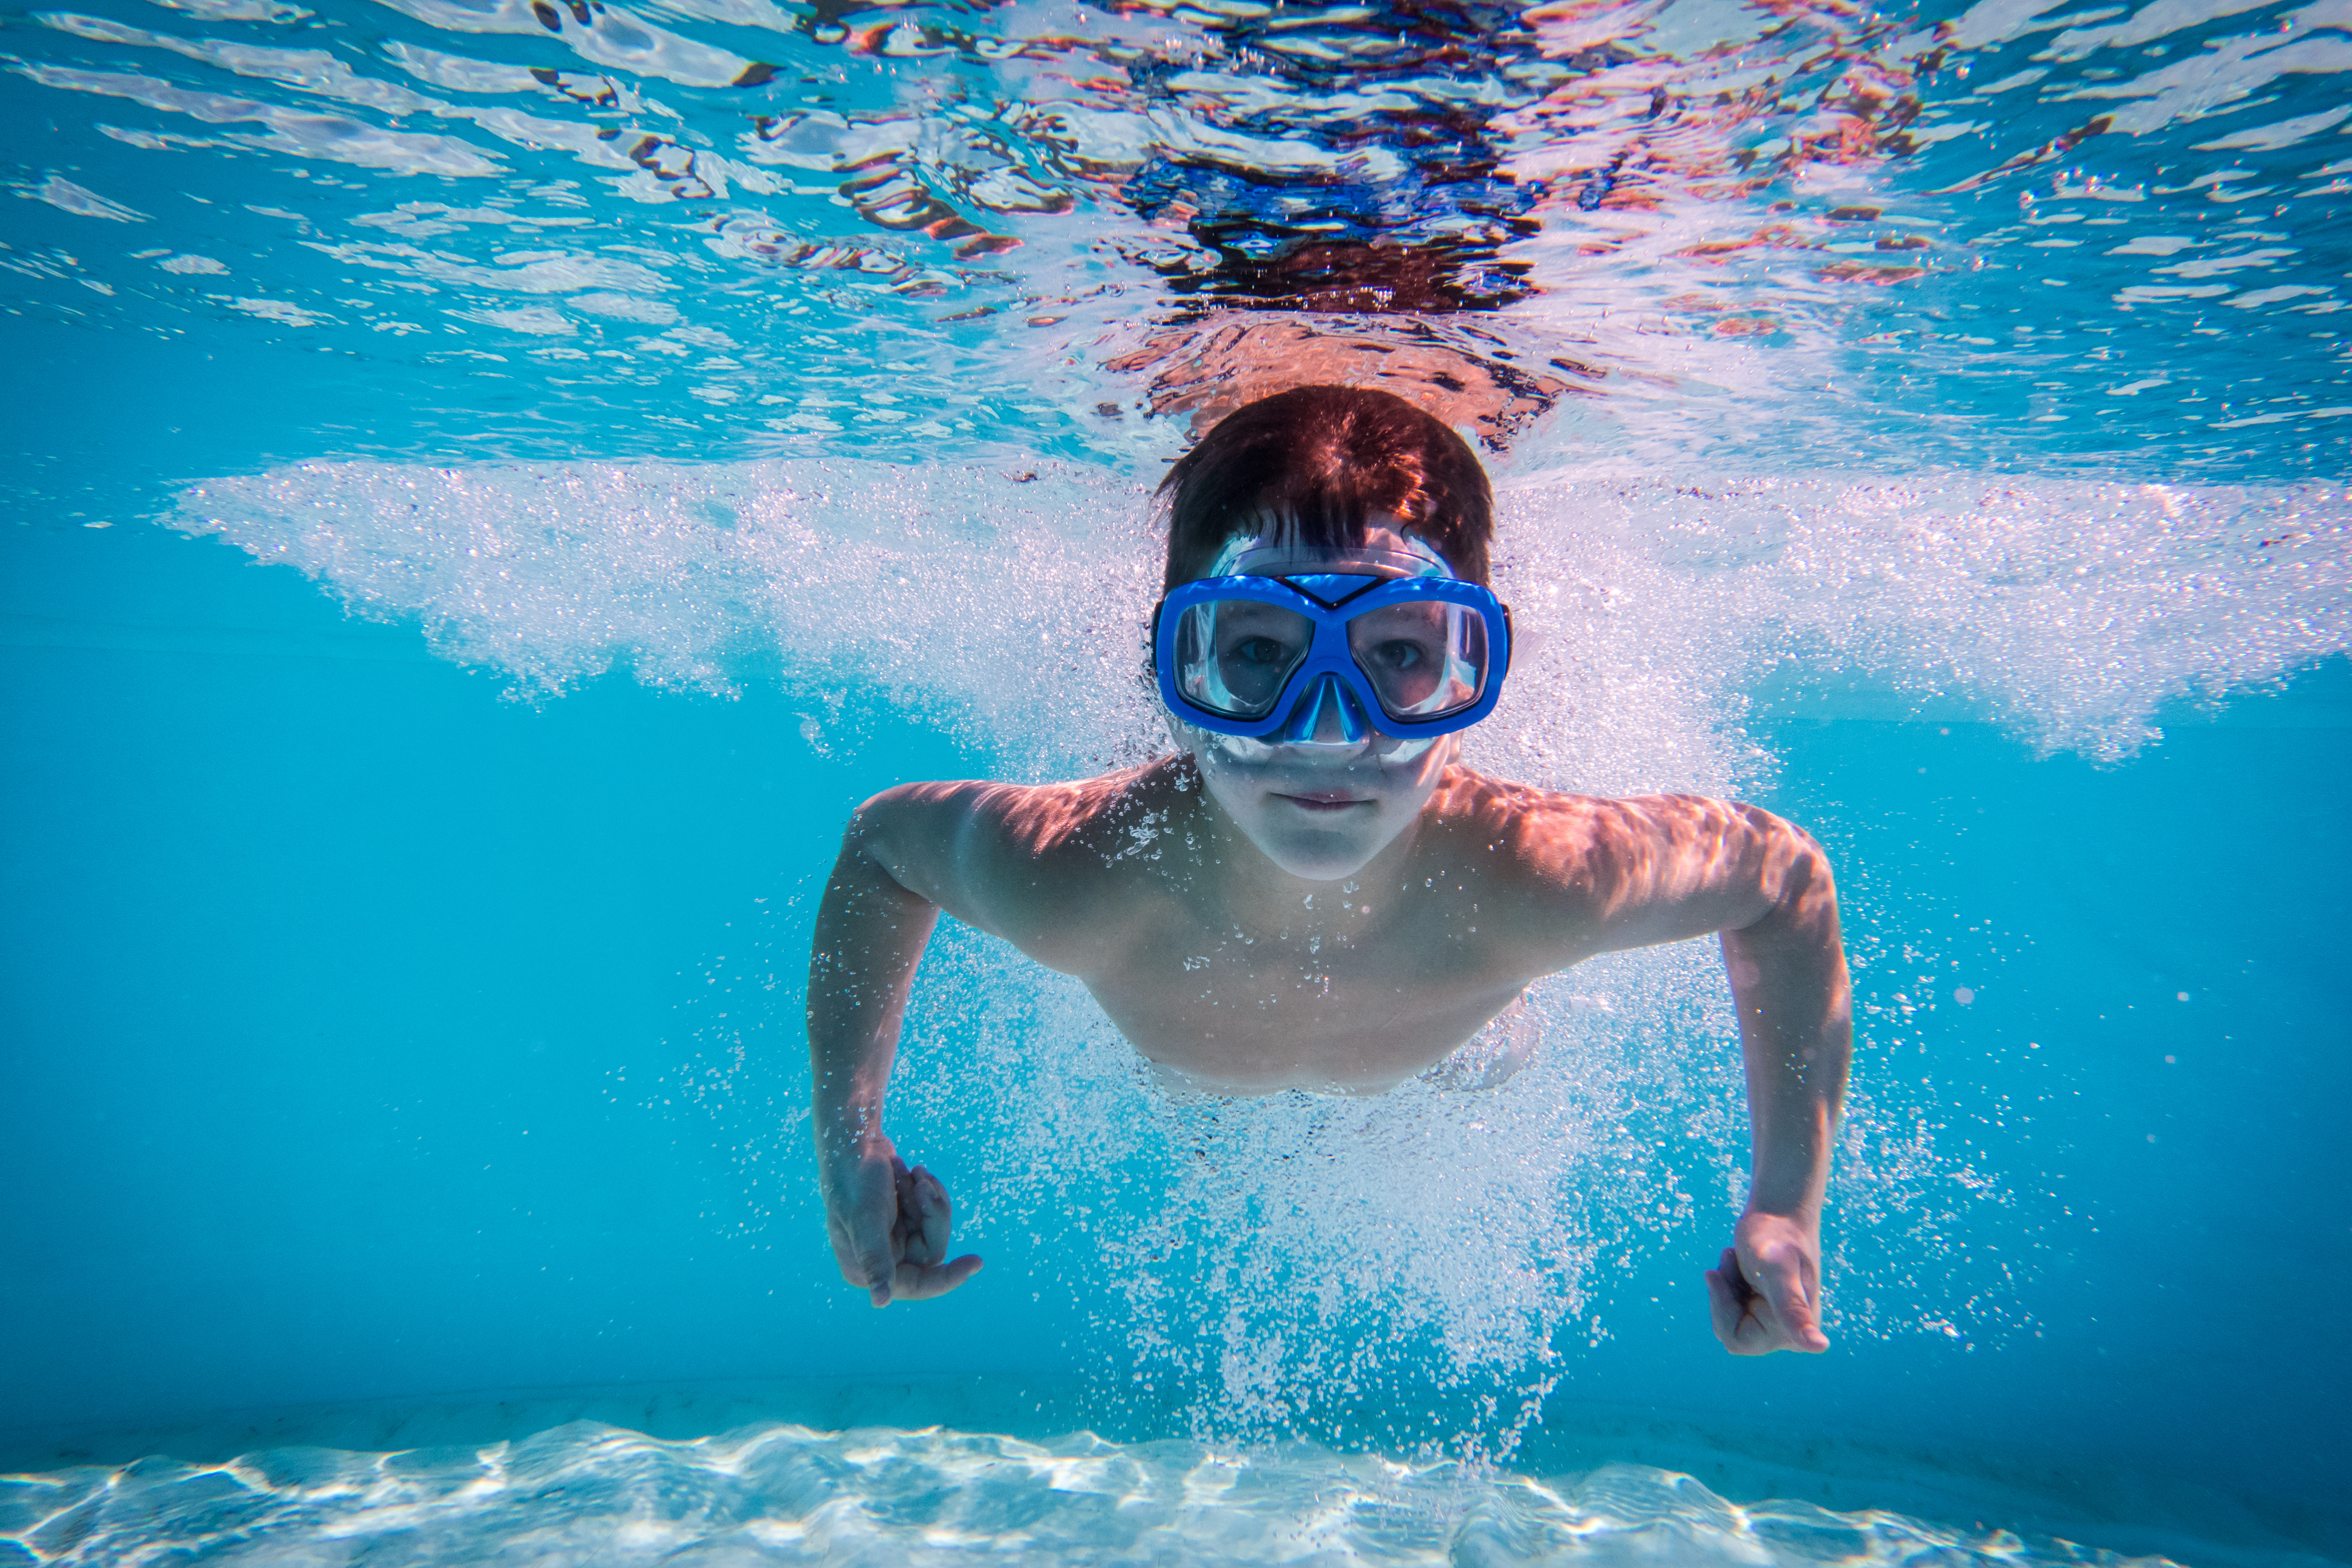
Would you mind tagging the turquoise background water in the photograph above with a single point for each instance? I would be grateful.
(324, 964)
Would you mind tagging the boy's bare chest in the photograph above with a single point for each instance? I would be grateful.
(1339, 1007)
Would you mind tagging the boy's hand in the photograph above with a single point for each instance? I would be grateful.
(1767, 1291)
(889, 1228)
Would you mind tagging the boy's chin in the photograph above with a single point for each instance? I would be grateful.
(1319, 857)
(1319, 823)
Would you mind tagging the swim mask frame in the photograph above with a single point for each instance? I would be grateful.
(1328, 686)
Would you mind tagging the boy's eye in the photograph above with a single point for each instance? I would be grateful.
(1400, 656)
(1261, 651)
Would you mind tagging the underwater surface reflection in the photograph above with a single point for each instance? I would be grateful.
(1719, 231)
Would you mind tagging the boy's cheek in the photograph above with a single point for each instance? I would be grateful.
(1229, 784)
(1425, 769)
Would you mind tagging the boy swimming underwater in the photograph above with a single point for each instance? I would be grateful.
(1337, 904)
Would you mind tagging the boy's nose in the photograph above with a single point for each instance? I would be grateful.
(1327, 714)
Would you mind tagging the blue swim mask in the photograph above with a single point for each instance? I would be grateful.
(1379, 641)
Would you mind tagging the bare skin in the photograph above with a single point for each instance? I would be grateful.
(1334, 920)
(1223, 967)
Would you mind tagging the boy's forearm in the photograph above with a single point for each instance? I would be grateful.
(1795, 1029)
(870, 934)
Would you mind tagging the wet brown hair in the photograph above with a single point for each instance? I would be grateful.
(1311, 464)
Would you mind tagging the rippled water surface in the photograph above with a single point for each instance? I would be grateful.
(2018, 231)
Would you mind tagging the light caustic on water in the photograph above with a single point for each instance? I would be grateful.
(786, 1494)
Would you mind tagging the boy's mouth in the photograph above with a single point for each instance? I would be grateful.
(1325, 800)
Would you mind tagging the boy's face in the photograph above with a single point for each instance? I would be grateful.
(1322, 813)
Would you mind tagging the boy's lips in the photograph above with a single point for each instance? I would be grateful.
(1326, 800)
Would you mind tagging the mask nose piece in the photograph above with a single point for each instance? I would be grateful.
(1327, 715)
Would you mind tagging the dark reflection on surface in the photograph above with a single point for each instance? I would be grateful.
(1207, 367)
(1349, 275)
(1389, 192)
(1386, 212)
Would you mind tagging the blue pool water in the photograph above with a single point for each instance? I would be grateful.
(491, 486)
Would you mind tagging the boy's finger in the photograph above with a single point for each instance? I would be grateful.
(1796, 1313)
(920, 1283)
(929, 1194)
(880, 1269)
(1779, 1277)
(934, 1217)
(1723, 1307)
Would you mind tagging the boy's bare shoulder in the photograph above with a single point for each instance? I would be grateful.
(1592, 843)
(1504, 811)
(1094, 821)
(1033, 821)
(1051, 867)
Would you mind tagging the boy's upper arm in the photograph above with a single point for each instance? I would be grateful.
(984, 852)
(1618, 874)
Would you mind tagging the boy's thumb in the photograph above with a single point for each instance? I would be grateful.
(879, 1269)
(1798, 1317)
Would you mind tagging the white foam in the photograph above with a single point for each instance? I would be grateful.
(1307, 1264)
(2072, 610)
(848, 582)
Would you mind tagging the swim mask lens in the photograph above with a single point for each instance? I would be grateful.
(1254, 656)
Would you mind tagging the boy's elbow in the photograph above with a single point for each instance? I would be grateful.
(1793, 871)
(1808, 888)
(879, 808)
(880, 817)
(868, 839)
(910, 835)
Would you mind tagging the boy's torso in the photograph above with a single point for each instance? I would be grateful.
(1365, 982)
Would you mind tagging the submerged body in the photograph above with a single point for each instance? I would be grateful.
(1236, 977)
(1313, 894)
